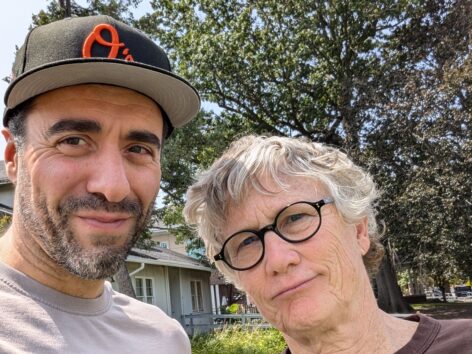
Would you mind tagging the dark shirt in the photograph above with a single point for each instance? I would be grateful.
(436, 336)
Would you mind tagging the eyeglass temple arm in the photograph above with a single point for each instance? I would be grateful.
(327, 200)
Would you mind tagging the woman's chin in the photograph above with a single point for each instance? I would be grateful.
(300, 314)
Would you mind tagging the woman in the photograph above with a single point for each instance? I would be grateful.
(292, 223)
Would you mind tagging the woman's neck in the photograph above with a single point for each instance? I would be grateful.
(366, 330)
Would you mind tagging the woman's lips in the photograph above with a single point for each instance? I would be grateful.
(293, 287)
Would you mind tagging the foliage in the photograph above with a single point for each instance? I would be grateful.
(387, 80)
(236, 340)
(119, 9)
(5, 221)
(184, 154)
(291, 68)
(420, 147)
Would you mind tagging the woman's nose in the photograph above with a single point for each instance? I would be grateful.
(279, 255)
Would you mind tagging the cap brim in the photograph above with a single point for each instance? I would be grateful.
(176, 96)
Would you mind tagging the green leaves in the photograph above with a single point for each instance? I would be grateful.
(234, 339)
(387, 80)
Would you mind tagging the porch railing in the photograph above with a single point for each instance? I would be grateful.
(205, 322)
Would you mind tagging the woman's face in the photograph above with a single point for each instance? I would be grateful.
(300, 286)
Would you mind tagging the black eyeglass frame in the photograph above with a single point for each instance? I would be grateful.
(273, 227)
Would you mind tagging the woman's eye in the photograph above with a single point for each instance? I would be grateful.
(249, 241)
(294, 218)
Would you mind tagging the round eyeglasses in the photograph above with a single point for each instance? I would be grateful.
(295, 223)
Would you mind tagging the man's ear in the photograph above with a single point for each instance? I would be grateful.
(10, 156)
(362, 229)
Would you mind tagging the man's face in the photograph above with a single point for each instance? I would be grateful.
(88, 175)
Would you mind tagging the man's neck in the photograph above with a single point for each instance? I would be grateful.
(19, 251)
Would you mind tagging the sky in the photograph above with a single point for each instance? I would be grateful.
(15, 19)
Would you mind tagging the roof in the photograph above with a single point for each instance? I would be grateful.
(166, 257)
(3, 174)
(5, 209)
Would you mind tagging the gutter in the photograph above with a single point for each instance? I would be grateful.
(167, 263)
(137, 270)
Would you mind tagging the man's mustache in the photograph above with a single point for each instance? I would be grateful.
(97, 202)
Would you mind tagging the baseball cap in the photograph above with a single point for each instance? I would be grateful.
(100, 50)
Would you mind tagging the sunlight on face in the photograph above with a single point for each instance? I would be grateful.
(89, 175)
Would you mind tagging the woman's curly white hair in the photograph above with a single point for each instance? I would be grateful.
(239, 169)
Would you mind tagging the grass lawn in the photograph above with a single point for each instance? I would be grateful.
(448, 310)
(235, 340)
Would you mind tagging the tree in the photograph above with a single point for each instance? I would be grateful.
(293, 68)
(421, 146)
(57, 10)
(381, 79)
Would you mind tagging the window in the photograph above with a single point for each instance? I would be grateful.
(144, 290)
(197, 298)
(163, 244)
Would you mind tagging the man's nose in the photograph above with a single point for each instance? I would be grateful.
(279, 254)
(109, 176)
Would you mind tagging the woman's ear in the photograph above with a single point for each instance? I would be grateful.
(362, 229)
(10, 156)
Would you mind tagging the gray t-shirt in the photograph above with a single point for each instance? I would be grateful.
(37, 319)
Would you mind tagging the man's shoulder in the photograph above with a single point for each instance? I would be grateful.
(137, 310)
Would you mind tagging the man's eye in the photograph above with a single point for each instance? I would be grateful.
(138, 149)
(73, 140)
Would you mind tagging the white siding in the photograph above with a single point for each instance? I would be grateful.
(161, 284)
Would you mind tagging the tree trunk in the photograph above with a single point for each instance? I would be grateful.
(443, 292)
(124, 281)
(390, 298)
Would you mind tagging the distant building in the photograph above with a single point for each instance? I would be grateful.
(7, 190)
(165, 239)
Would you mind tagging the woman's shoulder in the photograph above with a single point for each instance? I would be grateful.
(439, 336)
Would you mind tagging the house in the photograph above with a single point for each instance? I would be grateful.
(178, 284)
(165, 239)
(6, 192)
(222, 293)
(173, 281)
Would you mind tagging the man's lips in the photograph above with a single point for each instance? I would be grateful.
(104, 220)
(293, 287)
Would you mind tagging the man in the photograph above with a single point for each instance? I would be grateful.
(87, 111)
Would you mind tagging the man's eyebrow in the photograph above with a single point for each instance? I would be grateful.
(77, 125)
(145, 137)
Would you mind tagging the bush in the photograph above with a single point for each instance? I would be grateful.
(238, 340)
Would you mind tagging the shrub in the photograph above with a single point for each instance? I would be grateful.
(238, 340)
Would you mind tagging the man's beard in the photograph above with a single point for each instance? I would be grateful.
(60, 242)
